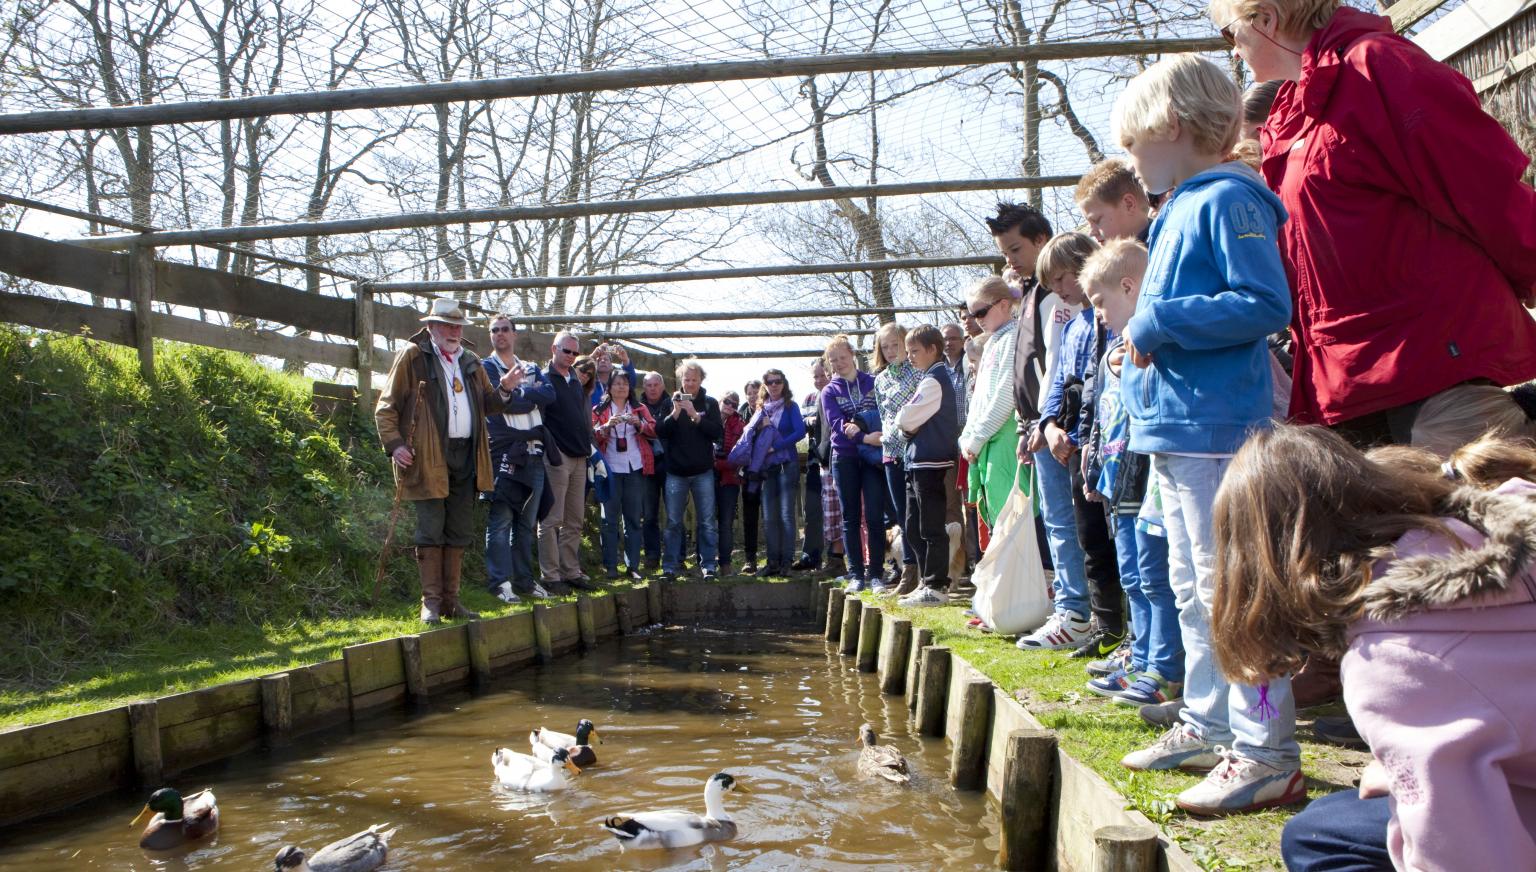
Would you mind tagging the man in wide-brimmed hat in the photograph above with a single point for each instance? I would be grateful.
(440, 452)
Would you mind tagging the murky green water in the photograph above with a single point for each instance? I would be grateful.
(775, 710)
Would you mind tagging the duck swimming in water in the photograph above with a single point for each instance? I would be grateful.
(359, 852)
(680, 829)
(881, 761)
(525, 772)
(578, 746)
(178, 821)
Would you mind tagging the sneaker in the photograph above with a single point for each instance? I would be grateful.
(1162, 715)
(749, 568)
(805, 564)
(1109, 665)
(1112, 684)
(924, 598)
(856, 585)
(504, 593)
(709, 575)
(1101, 644)
(1178, 748)
(878, 588)
(1061, 630)
(1149, 689)
(538, 591)
(1238, 784)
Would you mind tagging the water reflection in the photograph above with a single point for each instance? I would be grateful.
(776, 710)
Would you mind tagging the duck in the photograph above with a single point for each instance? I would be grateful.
(178, 821)
(680, 829)
(881, 761)
(525, 772)
(359, 852)
(579, 746)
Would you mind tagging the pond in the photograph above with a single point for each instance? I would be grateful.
(778, 711)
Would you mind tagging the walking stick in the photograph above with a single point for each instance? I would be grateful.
(394, 512)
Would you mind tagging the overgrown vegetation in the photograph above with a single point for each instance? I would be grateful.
(134, 512)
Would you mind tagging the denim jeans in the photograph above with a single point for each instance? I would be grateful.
(1164, 653)
(861, 488)
(626, 496)
(510, 531)
(1140, 625)
(814, 539)
(1219, 712)
(1339, 832)
(702, 488)
(896, 505)
(726, 501)
(650, 513)
(779, 512)
(1071, 582)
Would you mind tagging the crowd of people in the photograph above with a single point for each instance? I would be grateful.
(1266, 405)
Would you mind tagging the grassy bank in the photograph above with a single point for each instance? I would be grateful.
(1099, 732)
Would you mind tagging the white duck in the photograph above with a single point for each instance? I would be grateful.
(359, 852)
(680, 829)
(579, 746)
(524, 772)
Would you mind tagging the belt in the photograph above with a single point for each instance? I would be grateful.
(460, 441)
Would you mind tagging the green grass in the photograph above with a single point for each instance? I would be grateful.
(1098, 732)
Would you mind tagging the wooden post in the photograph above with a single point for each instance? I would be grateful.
(586, 625)
(415, 669)
(819, 601)
(542, 640)
(141, 288)
(277, 707)
(869, 638)
(1125, 849)
(625, 614)
(835, 598)
(479, 652)
(1028, 798)
(895, 636)
(922, 637)
(362, 294)
(653, 600)
(933, 692)
(967, 769)
(144, 727)
(848, 641)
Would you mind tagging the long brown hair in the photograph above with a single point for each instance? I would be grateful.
(1299, 519)
(1485, 463)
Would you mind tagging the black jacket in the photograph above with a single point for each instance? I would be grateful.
(1029, 351)
(690, 447)
(568, 420)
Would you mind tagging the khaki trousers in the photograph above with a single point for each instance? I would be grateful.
(560, 531)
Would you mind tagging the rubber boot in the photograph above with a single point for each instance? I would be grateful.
(429, 562)
(453, 565)
(909, 579)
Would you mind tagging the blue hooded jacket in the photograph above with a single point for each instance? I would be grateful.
(1214, 289)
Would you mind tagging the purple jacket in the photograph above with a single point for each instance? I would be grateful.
(839, 403)
(1439, 681)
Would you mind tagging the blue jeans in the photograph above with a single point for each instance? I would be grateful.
(1140, 624)
(1219, 712)
(726, 501)
(1339, 832)
(1071, 581)
(702, 488)
(861, 489)
(626, 496)
(650, 513)
(896, 502)
(509, 533)
(779, 512)
(1164, 653)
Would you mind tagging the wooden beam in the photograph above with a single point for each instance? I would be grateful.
(559, 211)
(451, 288)
(141, 288)
(748, 355)
(1407, 13)
(631, 335)
(346, 99)
(737, 315)
(362, 299)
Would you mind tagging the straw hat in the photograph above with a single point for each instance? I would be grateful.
(446, 312)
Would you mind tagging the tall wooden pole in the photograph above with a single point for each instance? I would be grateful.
(141, 287)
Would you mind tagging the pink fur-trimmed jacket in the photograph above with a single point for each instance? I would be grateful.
(1440, 677)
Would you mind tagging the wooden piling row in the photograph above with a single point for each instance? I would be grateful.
(922, 637)
(853, 610)
(834, 617)
(542, 640)
(895, 635)
(868, 648)
(144, 731)
(277, 707)
(966, 771)
(653, 600)
(1028, 801)
(585, 626)
(1125, 849)
(415, 669)
(933, 690)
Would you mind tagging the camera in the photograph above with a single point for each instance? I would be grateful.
(679, 397)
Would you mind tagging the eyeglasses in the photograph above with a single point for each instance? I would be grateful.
(731, 403)
(978, 315)
(570, 352)
(501, 329)
(774, 382)
(1226, 32)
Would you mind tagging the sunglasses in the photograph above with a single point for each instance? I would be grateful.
(1226, 32)
(774, 382)
(982, 313)
(570, 352)
(501, 329)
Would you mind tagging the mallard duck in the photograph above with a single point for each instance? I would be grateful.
(530, 773)
(578, 746)
(881, 760)
(679, 829)
(178, 821)
(359, 852)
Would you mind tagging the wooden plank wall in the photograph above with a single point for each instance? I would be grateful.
(49, 767)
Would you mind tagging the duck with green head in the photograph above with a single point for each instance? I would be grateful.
(177, 821)
(544, 741)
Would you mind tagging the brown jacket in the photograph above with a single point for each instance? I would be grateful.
(427, 477)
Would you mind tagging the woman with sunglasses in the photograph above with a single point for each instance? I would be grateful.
(990, 439)
(1411, 241)
(778, 420)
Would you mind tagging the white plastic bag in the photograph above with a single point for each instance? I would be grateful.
(1012, 595)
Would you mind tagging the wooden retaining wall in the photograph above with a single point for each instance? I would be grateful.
(49, 767)
(747, 601)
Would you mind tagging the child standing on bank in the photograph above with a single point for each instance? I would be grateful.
(1199, 384)
(930, 423)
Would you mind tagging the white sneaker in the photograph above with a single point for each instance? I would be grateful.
(924, 598)
(1061, 630)
(1178, 748)
(1238, 784)
(505, 594)
(539, 592)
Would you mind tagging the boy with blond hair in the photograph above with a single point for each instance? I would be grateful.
(1113, 202)
(1214, 289)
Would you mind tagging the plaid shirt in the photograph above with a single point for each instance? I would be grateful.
(893, 387)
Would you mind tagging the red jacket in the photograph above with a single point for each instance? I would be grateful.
(725, 473)
(1411, 241)
(646, 431)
